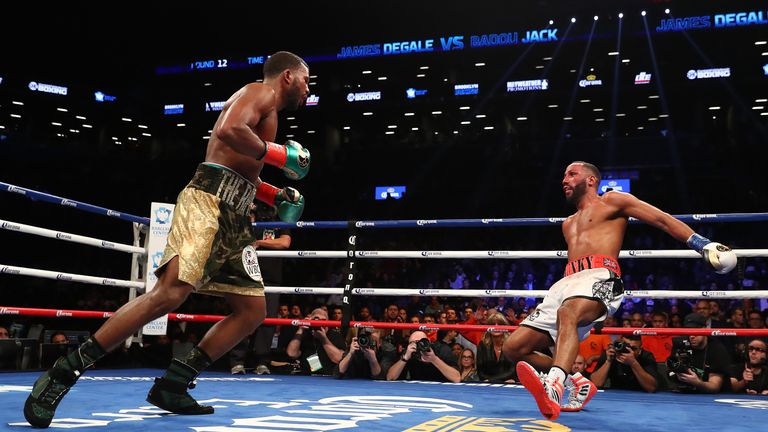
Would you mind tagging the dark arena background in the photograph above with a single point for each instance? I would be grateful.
(424, 112)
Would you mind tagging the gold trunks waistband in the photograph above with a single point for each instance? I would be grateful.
(230, 187)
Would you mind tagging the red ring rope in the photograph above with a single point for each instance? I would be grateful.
(63, 313)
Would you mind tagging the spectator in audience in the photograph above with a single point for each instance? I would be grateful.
(431, 334)
(708, 370)
(755, 320)
(403, 315)
(456, 348)
(467, 368)
(59, 338)
(283, 311)
(737, 318)
(492, 364)
(703, 308)
(751, 376)
(592, 348)
(450, 316)
(659, 346)
(426, 364)
(4, 333)
(317, 349)
(296, 311)
(675, 320)
(715, 312)
(434, 307)
(364, 314)
(579, 365)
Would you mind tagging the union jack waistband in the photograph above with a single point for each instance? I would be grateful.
(592, 262)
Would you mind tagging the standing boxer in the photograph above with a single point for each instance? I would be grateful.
(208, 247)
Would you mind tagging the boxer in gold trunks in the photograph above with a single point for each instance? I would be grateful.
(590, 289)
(208, 247)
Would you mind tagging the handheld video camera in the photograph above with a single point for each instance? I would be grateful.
(679, 361)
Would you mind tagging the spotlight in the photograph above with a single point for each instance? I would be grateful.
(595, 17)
(573, 20)
(666, 11)
(551, 22)
(642, 13)
(621, 15)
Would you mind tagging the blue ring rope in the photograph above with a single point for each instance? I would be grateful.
(41, 196)
(412, 223)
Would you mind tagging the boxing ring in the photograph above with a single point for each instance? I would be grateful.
(114, 399)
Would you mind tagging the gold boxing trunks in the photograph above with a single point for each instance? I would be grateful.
(211, 234)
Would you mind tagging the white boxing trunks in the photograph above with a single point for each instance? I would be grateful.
(594, 277)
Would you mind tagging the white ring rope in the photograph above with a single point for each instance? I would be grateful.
(494, 254)
(90, 241)
(398, 292)
(392, 292)
(23, 271)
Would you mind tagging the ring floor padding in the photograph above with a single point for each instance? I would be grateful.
(113, 400)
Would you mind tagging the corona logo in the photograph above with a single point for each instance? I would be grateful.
(722, 333)
(14, 189)
(704, 216)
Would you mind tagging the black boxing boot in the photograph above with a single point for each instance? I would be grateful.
(51, 387)
(170, 391)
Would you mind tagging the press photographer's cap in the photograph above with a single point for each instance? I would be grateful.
(694, 320)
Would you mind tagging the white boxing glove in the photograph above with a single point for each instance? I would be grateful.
(720, 257)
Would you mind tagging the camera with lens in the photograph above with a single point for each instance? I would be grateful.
(312, 329)
(679, 360)
(365, 340)
(621, 347)
(422, 345)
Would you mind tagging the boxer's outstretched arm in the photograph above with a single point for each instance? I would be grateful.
(718, 256)
(630, 206)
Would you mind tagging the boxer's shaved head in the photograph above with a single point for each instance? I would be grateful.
(591, 168)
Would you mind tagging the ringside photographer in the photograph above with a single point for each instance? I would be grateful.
(425, 361)
(318, 349)
(367, 357)
(627, 366)
(698, 364)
